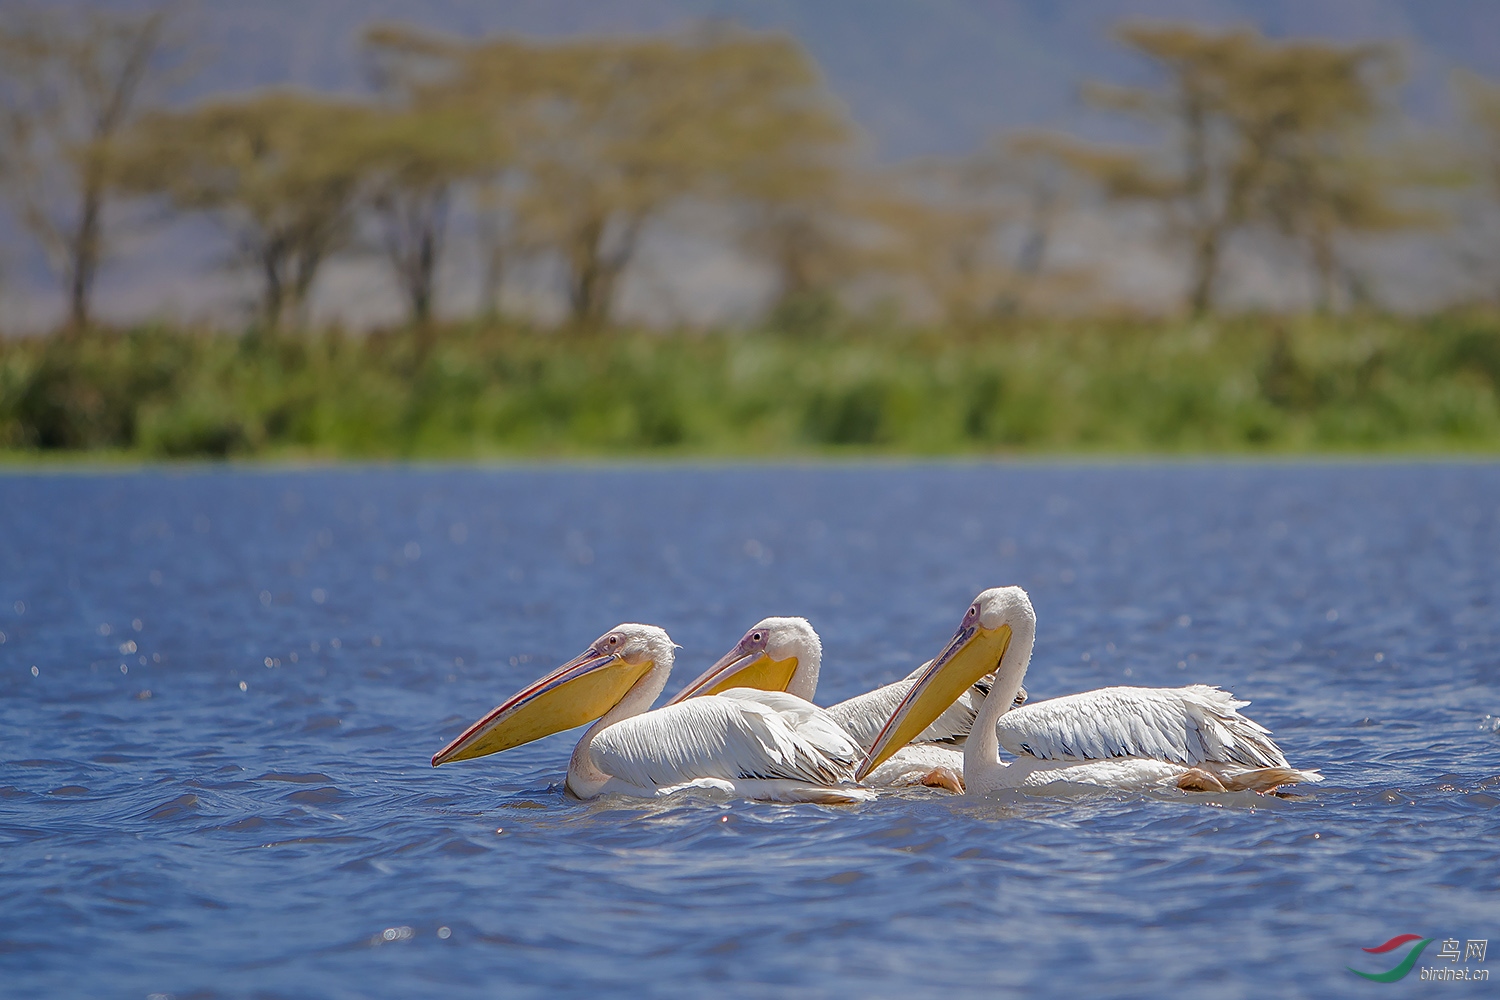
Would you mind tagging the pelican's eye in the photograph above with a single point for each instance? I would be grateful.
(613, 640)
(755, 637)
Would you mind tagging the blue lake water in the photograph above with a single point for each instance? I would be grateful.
(219, 691)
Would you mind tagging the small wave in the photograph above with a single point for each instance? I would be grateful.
(182, 805)
(317, 796)
(313, 778)
(69, 790)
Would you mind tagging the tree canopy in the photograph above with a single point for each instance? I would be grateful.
(280, 171)
(565, 156)
(70, 83)
(1262, 132)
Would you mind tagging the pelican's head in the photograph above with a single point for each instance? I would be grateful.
(579, 691)
(770, 657)
(978, 647)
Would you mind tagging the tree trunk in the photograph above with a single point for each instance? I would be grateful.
(421, 289)
(788, 237)
(415, 223)
(84, 246)
(493, 279)
(307, 260)
(597, 269)
(85, 267)
(493, 249)
(273, 294)
(1206, 239)
(1325, 268)
(583, 291)
(424, 272)
(1206, 250)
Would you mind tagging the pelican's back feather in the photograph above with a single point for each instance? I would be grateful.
(739, 733)
(1188, 725)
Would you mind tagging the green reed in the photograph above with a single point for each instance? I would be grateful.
(1244, 384)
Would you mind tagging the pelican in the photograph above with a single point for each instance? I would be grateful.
(756, 744)
(786, 654)
(1192, 738)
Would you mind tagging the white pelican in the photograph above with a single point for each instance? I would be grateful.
(1192, 737)
(757, 744)
(786, 654)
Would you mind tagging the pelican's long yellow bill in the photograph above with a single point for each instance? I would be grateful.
(973, 652)
(750, 670)
(579, 691)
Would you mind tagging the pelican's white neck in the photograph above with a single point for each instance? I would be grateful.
(982, 764)
(586, 778)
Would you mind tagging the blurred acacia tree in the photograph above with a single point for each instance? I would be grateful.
(589, 141)
(71, 81)
(978, 229)
(280, 171)
(424, 145)
(1482, 102)
(491, 90)
(1263, 133)
(788, 161)
(412, 160)
(931, 234)
(1323, 180)
(628, 128)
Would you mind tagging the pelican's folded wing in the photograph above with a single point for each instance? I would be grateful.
(737, 734)
(1188, 725)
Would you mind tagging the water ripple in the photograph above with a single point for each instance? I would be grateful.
(266, 821)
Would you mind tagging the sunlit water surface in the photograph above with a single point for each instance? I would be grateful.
(219, 691)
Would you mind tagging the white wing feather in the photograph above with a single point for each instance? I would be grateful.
(1189, 725)
(738, 733)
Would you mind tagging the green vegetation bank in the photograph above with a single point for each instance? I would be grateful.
(1246, 385)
